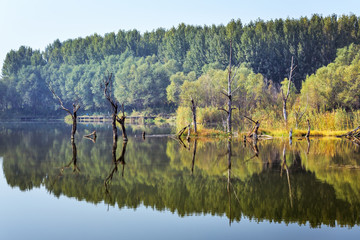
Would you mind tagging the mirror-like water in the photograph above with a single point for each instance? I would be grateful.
(161, 188)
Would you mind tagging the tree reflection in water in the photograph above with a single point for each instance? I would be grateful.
(320, 187)
(116, 162)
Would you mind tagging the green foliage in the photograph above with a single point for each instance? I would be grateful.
(336, 85)
(151, 69)
(176, 81)
(183, 117)
(209, 115)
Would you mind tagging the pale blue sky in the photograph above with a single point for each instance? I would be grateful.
(36, 23)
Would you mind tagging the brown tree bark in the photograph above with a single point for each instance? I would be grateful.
(121, 120)
(193, 109)
(308, 132)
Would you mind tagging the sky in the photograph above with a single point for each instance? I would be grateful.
(37, 23)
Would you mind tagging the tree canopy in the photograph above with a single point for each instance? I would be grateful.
(148, 65)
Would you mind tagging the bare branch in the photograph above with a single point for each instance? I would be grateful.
(249, 119)
(223, 109)
(225, 94)
(75, 108)
(61, 103)
(238, 87)
(181, 131)
(234, 75)
(292, 68)
(107, 90)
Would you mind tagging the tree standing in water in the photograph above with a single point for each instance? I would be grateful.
(73, 114)
(108, 93)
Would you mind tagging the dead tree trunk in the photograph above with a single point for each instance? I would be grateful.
(72, 114)
(308, 132)
(121, 120)
(229, 93)
(113, 121)
(193, 109)
(114, 106)
(285, 97)
(74, 118)
(188, 134)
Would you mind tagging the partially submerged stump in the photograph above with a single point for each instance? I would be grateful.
(353, 135)
(254, 131)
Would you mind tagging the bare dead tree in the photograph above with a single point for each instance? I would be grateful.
(308, 132)
(108, 93)
(229, 93)
(73, 114)
(286, 97)
(193, 109)
(121, 120)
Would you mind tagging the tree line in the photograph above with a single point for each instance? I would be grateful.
(145, 65)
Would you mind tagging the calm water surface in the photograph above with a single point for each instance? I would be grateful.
(160, 188)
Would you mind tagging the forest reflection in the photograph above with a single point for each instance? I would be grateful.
(274, 180)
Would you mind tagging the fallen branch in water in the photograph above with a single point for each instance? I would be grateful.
(353, 135)
(182, 131)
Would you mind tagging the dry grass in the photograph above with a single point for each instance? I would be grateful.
(300, 133)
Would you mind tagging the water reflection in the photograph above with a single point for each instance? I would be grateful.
(116, 162)
(272, 180)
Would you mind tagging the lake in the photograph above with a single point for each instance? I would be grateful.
(161, 188)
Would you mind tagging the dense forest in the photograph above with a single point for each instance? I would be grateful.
(152, 69)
